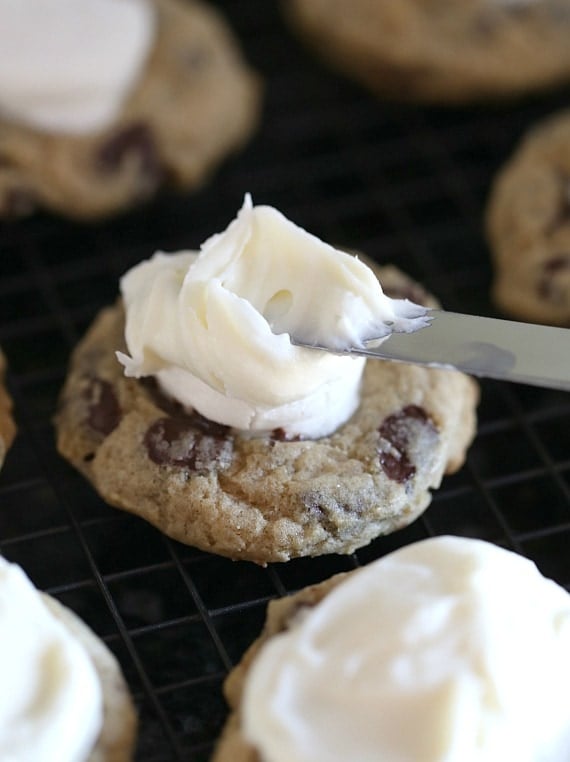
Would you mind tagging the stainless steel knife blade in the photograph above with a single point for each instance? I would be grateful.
(488, 347)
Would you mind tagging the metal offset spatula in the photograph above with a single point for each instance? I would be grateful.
(487, 347)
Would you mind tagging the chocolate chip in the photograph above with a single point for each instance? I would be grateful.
(135, 140)
(397, 433)
(280, 435)
(550, 287)
(320, 512)
(557, 264)
(191, 441)
(104, 412)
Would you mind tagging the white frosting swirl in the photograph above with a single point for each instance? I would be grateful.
(449, 650)
(68, 65)
(215, 329)
(50, 695)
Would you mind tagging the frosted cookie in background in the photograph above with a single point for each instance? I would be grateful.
(63, 695)
(528, 226)
(187, 404)
(440, 51)
(7, 425)
(446, 650)
(103, 101)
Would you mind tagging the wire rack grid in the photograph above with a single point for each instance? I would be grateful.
(404, 184)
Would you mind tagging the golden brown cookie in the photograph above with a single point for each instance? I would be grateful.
(281, 615)
(397, 660)
(196, 101)
(528, 225)
(116, 742)
(263, 498)
(7, 425)
(440, 50)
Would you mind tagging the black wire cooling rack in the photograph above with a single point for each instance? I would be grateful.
(404, 184)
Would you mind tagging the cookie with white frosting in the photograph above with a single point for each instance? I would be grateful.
(7, 425)
(88, 129)
(528, 226)
(86, 713)
(266, 496)
(440, 51)
(416, 656)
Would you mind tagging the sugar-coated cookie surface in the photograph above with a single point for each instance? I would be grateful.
(7, 425)
(196, 101)
(262, 498)
(440, 50)
(528, 225)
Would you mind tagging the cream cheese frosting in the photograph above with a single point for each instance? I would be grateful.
(448, 650)
(215, 328)
(67, 66)
(50, 695)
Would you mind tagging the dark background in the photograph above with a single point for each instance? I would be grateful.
(404, 184)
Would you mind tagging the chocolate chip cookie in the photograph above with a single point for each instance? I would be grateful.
(528, 225)
(196, 101)
(117, 738)
(440, 50)
(265, 498)
(7, 425)
(282, 613)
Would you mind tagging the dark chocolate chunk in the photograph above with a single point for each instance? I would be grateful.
(190, 441)
(138, 140)
(557, 264)
(550, 286)
(321, 512)
(396, 434)
(104, 412)
(280, 435)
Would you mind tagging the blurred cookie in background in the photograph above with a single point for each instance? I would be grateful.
(102, 104)
(528, 226)
(440, 51)
(7, 425)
